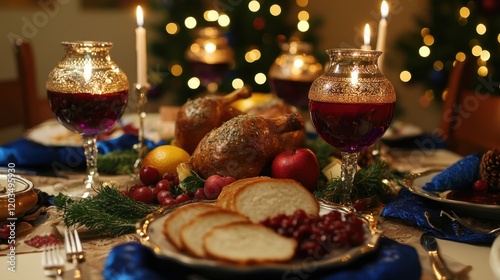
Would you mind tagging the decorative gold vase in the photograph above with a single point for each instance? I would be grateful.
(293, 72)
(88, 94)
(210, 57)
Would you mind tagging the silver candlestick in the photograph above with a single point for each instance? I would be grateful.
(141, 91)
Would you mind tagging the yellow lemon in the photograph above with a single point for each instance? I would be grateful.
(166, 158)
(254, 100)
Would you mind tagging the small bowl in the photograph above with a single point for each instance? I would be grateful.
(17, 196)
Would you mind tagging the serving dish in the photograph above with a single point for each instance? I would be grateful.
(416, 181)
(17, 196)
(150, 234)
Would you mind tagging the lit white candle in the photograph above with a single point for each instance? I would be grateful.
(140, 48)
(366, 38)
(382, 31)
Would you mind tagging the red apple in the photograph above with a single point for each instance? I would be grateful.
(299, 164)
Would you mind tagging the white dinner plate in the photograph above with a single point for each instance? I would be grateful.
(52, 133)
(150, 233)
(416, 181)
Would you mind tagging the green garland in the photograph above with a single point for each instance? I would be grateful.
(109, 212)
(368, 183)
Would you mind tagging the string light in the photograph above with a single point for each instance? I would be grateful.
(476, 50)
(303, 15)
(303, 26)
(193, 83)
(190, 22)
(460, 56)
(424, 51)
(237, 83)
(254, 6)
(172, 28)
(275, 10)
(223, 20)
(428, 40)
(211, 15)
(464, 12)
(481, 29)
(176, 70)
(405, 76)
(438, 65)
(485, 55)
(260, 78)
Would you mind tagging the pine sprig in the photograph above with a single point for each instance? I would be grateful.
(108, 212)
(368, 183)
(117, 162)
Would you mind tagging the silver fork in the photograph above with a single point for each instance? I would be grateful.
(74, 251)
(470, 227)
(53, 262)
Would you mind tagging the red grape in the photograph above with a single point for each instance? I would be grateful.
(318, 236)
(143, 194)
(182, 198)
(480, 186)
(163, 185)
(200, 194)
(149, 175)
(168, 202)
(170, 176)
(162, 195)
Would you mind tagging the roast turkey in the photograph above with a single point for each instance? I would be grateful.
(243, 145)
(199, 116)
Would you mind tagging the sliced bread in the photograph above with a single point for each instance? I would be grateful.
(245, 243)
(270, 197)
(193, 232)
(226, 196)
(179, 217)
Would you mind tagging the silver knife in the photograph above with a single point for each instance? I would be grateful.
(438, 266)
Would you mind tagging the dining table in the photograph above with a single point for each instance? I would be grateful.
(467, 260)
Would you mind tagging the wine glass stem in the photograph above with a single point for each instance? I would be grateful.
(90, 150)
(348, 170)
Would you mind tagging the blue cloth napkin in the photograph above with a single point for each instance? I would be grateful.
(25, 153)
(426, 213)
(459, 176)
(391, 260)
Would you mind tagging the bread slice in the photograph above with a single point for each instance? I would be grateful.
(270, 197)
(245, 243)
(178, 218)
(226, 196)
(193, 232)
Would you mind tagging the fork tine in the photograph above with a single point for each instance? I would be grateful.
(78, 243)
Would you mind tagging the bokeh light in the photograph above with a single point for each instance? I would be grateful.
(193, 83)
(405, 76)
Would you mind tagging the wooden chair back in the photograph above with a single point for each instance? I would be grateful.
(471, 114)
(12, 110)
(36, 108)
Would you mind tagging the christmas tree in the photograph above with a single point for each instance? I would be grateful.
(452, 31)
(253, 29)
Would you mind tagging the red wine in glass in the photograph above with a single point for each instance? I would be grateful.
(88, 114)
(291, 91)
(351, 127)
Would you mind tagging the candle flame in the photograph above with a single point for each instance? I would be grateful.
(367, 35)
(140, 16)
(87, 70)
(384, 9)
